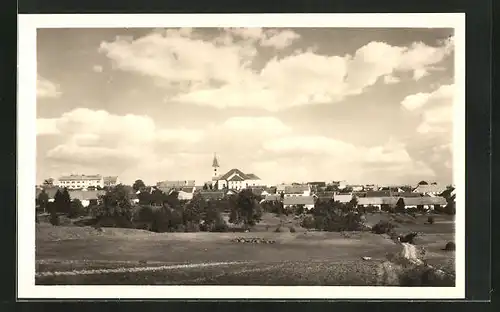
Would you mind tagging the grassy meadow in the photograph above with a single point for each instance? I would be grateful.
(67, 254)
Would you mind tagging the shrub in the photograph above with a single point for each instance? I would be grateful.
(308, 222)
(292, 229)
(192, 227)
(220, 227)
(76, 209)
(408, 238)
(383, 227)
(430, 220)
(450, 246)
(424, 276)
(54, 219)
(370, 209)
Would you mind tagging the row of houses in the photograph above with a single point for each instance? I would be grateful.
(82, 181)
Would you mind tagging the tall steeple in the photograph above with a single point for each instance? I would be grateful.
(215, 164)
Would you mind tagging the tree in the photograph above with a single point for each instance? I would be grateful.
(205, 187)
(43, 200)
(116, 206)
(210, 187)
(62, 201)
(66, 200)
(138, 185)
(48, 182)
(157, 197)
(423, 183)
(245, 209)
(194, 210)
(400, 205)
(76, 209)
(144, 198)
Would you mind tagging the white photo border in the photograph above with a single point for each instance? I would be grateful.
(26, 161)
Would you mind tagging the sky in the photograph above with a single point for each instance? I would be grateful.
(289, 105)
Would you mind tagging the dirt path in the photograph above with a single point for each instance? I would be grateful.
(134, 269)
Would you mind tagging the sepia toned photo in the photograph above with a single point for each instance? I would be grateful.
(246, 156)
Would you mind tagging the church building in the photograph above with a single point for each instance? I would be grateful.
(234, 179)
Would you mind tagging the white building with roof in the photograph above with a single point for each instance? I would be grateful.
(234, 179)
(80, 181)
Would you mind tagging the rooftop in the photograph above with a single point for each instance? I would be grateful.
(298, 200)
(79, 177)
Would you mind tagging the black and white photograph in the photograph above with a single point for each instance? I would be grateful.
(243, 154)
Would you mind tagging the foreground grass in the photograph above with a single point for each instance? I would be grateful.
(313, 258)
(345, 273)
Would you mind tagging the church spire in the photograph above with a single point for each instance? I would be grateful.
(215, 163)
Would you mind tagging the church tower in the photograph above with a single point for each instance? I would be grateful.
(215, 165)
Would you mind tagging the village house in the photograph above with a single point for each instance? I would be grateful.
(425, 202)
(377, 202)
(212, 195)
(295, 201)
(297, 190)
(86, 197)
(343, 198)
(175, 184)
(324, 196)
(356, 187)
(80, 181)
(186, 193)
(272, 197)
(233, 179)
(430, 190)
(111, 181)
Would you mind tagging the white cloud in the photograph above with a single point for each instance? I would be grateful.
(218, 71)
(435, 109)
(106, 140)
(97, 68)
(280, 39)
(390, 79)
(46, 88)
(276, 38)
(323, 158)
(433, 144)
(269, 125)
(420, 73)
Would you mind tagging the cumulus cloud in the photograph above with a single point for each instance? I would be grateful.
(218, 71)
(103, 139)
(134, 146)
(280, 39)
(46, 88)
(390, 79)
(433, 144)
(435, 109)
(323, 158)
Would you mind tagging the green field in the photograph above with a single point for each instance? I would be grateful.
(301, 258)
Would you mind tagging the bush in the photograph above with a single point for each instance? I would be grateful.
(450, 246)
(308, 222)
(383, 227)
(370, 209)
(192, 227)
(292, 229)
(424, 276)
(220, 227)
(430, 220)
(76, 209)
(54, 219)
